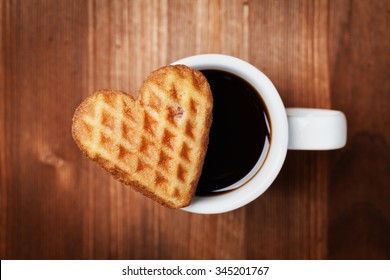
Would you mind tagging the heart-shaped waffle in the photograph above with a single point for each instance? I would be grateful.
(156, 143)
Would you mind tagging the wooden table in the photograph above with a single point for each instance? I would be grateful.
(56, 204)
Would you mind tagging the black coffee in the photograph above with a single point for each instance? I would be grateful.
(238, 132)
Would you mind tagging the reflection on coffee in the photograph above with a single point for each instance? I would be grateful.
(238, 135)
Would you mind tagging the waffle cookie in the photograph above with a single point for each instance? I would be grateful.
(157, 143)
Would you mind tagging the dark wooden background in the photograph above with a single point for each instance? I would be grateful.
(56, 204)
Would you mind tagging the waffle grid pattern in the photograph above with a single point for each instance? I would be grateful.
(156, 143)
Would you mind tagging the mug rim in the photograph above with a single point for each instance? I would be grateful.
(266, 173)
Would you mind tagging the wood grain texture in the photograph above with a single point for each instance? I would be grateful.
(359, 220)
(56, 204)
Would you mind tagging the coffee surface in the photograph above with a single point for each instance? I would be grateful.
(238, 132)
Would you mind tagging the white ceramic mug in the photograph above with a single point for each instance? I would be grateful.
(291, 128)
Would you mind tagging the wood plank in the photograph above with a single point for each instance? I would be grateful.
(41, 181)
(359, 212)
(3, 148)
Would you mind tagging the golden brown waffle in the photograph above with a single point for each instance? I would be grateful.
(155, 144)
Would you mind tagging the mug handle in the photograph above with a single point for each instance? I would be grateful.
(316, 129)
